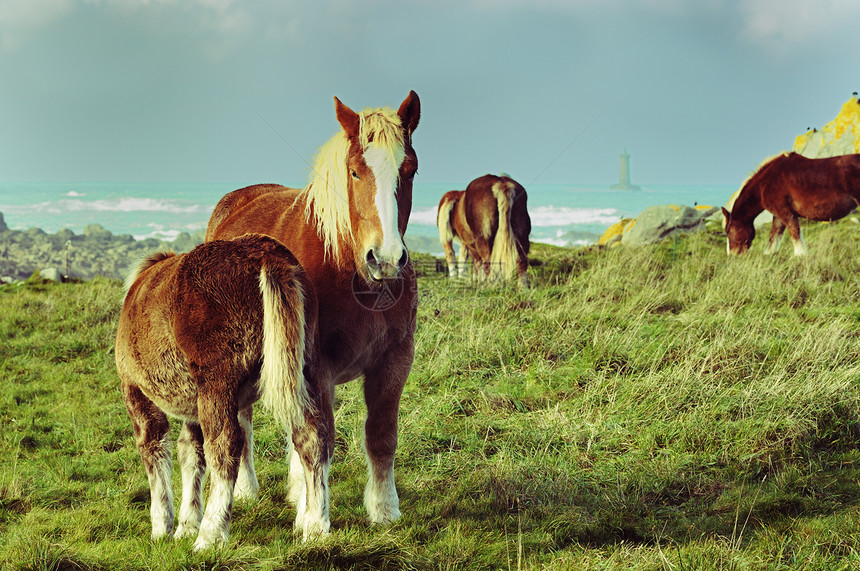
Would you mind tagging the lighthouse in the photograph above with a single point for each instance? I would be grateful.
(624, 175)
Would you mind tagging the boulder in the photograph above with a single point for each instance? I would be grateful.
(659, 222)
(51, 274)
(3, 226)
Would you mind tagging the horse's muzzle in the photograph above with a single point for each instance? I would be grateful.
(381, 269)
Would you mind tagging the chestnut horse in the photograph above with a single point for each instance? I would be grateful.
(346, 229)
(791, 186)
(201, 337)
(491, 221)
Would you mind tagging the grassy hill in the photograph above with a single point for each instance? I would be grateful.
(653, 408)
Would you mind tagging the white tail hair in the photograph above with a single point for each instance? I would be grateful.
(503, 258)
(282, 380)
(443, 221)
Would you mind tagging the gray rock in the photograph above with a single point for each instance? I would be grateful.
(52, 274)
(3, 226)
(659, 222)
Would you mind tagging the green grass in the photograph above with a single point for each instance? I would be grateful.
(652, 408)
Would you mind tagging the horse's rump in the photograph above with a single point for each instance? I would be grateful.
(495, 213)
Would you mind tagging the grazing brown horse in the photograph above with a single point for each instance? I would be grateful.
(346, 229)
(791, 186)
(201, 337)
(492, 223)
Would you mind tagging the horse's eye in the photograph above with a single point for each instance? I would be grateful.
(355, 175)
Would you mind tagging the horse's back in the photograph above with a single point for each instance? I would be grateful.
(815, 189)
(225, 212)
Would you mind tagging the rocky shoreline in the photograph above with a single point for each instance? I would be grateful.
(66, 255)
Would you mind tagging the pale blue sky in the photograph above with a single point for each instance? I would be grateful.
(698, 91)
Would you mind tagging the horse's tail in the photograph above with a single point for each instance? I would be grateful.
(282, 382)
(503, 258)
(443, 220)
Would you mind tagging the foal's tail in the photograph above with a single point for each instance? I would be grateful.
(503, 258)
(282, 382)
(443, 220)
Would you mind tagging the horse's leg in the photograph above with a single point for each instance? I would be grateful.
(192, 463)
(382, 389)
(796, 235)
(449, 258)
(462, 260)
(223, 441)
(150, 429)
(484, 252)
(776, 232)
(296, 484)
(247, 487)
(522, 267)
(313, 443)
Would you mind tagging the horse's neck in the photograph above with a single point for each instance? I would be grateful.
(748, 204)
(316, 258)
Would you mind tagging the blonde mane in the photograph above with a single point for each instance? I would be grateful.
(326, 197)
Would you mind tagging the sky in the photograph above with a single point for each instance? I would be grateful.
(550, 91)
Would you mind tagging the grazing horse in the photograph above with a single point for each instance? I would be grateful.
(791, 186)
(346, 229)
(491, 221)
(201, 337)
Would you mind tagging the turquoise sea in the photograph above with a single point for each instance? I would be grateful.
(561, 214)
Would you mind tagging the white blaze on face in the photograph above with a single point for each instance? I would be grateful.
(386, 168)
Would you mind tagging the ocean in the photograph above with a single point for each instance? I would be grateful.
(564, 215)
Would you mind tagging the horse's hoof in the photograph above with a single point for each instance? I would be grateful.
(161, 534)
(385, 516)
(184, 531)
(202, 544)
(320, 530)
(246, 496)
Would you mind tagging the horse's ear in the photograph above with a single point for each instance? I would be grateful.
(347, 118)
(410, 112)
(726, 213)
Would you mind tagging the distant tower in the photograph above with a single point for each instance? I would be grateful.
(624, 175)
